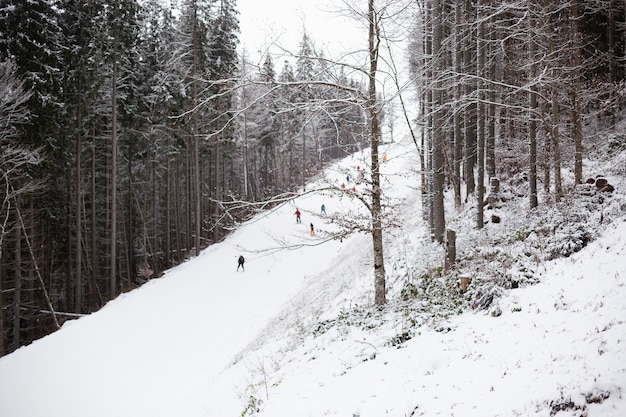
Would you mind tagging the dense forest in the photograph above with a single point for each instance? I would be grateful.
(136, 134)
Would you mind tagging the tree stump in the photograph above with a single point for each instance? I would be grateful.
(465, 282)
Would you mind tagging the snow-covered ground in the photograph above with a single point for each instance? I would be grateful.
(276, 340)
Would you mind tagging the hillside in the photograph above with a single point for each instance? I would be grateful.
(296, 335)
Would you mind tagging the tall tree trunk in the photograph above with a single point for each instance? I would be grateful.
(377, 230)
(168, 209)
(194, 162)
(425, 183)
(188, 195)
(94, 230)
(532, 123)
(480, 146)
(438, 145)
(426, 109)
(612, 64)
(70, 279)
(553, 136)
(469, 156)
(556, 147)
(304, 157)
(490, 145)
(195, 178)
(78, 295)
(113, 238)
(131, 267)
(577, 133)
(458, 137)
(17, 290)
(180, 213)
(546, 160)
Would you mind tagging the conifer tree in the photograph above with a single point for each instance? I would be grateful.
(33, 40)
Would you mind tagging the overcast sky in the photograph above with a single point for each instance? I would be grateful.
(283, 22)
(334, 32)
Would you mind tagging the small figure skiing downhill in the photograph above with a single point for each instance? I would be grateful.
(240, 263)
(297, 213)
(312, 229)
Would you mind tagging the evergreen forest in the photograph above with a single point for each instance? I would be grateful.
(134, 133)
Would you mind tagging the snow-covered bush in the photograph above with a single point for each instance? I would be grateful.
(570, 238)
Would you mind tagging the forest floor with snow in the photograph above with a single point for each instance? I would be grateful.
(540, 331)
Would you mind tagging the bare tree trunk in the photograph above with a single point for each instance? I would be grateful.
(195, 178)
(68, 303)
(188, 196)
(438, 145)
(546, 160)
(612, 63)
(480, 194)
(78, 295)
(377, 231)
(220, 165)
(131, 267)
(532, 125)
(303, 179)
(576, 112)
(450, 249)
(427, 106)
(458, 138)
(554, 138)
(556, 149)
(113, 238)
(469, 156)
(94, 229)
(168, 210)
(424, 186)
(490, 145)
(17, 290)
(180, 214)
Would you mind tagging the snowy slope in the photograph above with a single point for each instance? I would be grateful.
(559, 345)
(205, 340)
(147, 351)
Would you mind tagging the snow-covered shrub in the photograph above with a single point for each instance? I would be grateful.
(252, 407)
(569, 239)
(617, 142)
(357, 316)
(483, 295)
(409, 291)
(568, 405)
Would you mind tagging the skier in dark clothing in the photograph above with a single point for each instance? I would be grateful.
(240, 263)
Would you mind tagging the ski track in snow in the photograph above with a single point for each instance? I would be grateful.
(204, 338)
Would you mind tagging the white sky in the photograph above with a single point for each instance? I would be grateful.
(336, 31)
(282, 21)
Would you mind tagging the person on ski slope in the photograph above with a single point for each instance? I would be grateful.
(297, 213)
(312, 230)
(240, 263)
